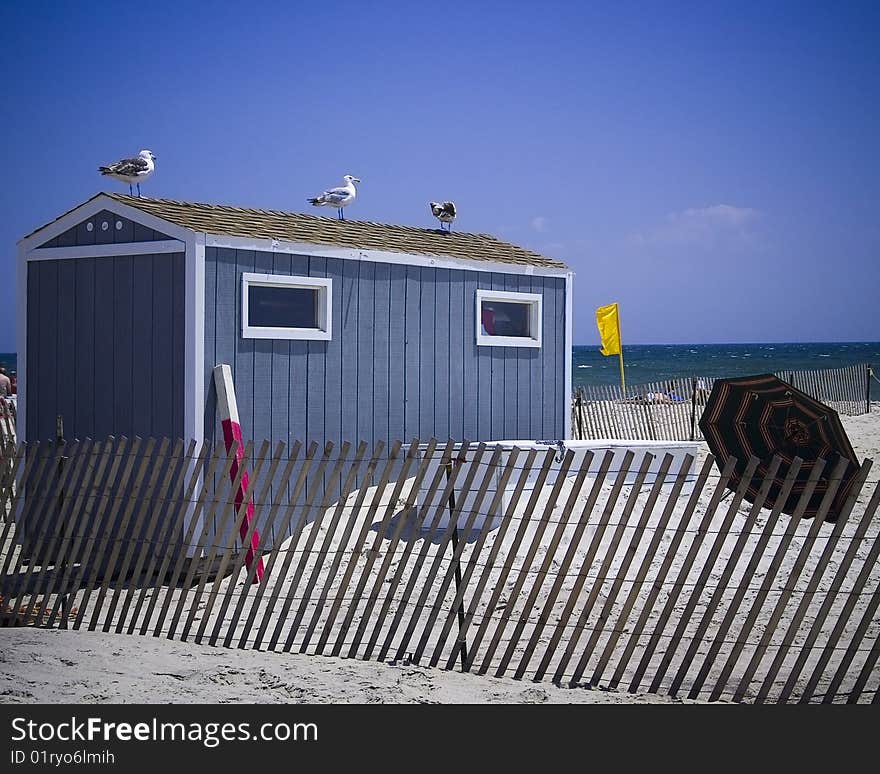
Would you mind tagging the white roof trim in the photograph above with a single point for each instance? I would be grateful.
(106, 250)
(93, 207)
(378, 256)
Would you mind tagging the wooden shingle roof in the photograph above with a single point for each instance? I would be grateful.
(312, 229)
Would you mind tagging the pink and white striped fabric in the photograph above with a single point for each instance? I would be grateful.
(228, 410)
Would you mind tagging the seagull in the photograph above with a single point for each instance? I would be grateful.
(131, 170)
(444, 212)
(338, 197)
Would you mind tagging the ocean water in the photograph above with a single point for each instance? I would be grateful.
(656, 362)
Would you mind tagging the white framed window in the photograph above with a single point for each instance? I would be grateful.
(507, 319)
(275, 306)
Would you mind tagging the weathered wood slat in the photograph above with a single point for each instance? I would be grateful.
(544, 573)
(847, 609)
(792, 578)
(162, 519)
(815, 576)
(621, 572)
(202, 471)
(603, 574)
(747, 575)
(720, 590)
(659, 531)
(281, 485)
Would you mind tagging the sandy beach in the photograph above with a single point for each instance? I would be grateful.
(39, 665)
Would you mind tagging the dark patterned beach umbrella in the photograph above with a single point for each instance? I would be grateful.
(763, 416)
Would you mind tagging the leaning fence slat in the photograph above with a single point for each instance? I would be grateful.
(659, 531)
(849, 605)
(293, 545)
(355, 552)
(868, 667)
(440, 550)
(74, 473)
(604, 571)
(733, 559)
(216, 487)
(544, 572)
(344, 493)
(327, 500)
(708, 565)
(427, 537)
(232, 516)
(75, 478)
(460, 643)
(540, 527)
(791, 580)
(143, 498)
(338, 513)
(115, 534)
(456, 609)
(255, 563)
(767, 583)
(584, 520)
(162, 519)
(61, 554)
(281, 485)
(418, 513)
(373, 552)
(621, 571)
(202, 473)
(276, 557)
(137, 533)
(813, 582)
(677, 587)
(346, 534)
(391, 546)
(669, 555)
(747, 575)
(459, 543)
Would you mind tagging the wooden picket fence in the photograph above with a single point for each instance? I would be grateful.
(670, 410)
(460, 556)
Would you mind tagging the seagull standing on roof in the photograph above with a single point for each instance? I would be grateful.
(444, 212)
(338, 197)
(131, 170)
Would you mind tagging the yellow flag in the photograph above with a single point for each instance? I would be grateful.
(609, 329)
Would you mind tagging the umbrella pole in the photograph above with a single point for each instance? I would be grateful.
(457, 567)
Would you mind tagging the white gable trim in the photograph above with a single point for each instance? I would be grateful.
(569, 343)
(93, 207)
(21, 351)
(378, 256)
(194, 344)
(106, 250)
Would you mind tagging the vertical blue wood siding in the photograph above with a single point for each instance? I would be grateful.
(105, 346)
(403, 361)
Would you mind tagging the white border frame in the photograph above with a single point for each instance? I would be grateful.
(324, 288)
(533, 300)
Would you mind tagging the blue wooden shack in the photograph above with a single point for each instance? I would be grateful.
(334, 330)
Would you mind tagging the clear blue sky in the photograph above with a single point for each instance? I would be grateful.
(712, 167)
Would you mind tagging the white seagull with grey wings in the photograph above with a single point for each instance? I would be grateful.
(338, 197)
(132, 171)
(444, 212)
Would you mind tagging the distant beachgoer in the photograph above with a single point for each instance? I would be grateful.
(5, 384)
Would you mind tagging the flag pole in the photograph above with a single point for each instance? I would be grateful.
(620, 354)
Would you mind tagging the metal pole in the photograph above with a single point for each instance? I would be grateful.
(693, 405)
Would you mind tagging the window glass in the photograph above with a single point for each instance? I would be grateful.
(279, 307)
(505, 318)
